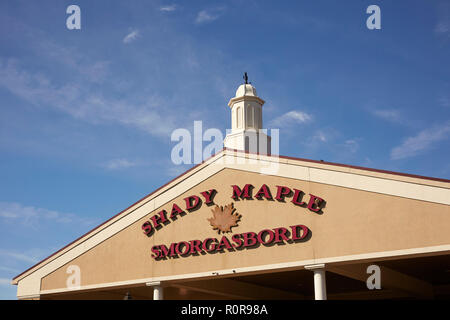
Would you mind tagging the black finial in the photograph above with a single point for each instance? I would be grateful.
(245, 78)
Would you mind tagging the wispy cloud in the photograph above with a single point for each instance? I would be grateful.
(423, 141)
(317, 139)
(442, 27)
(320, 136)
(77, 101)
(10, 270)
(5, 282)
(392, 115)
(31, 216)
(133, 35)
(116, 164)
(170, 8)
(96, 72)
(330, 144)
(444, 101)
(291, 117)
(18, 256)
(352, 145)
(205, 16)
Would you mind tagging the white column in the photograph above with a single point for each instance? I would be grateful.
(157, 290)
(158, 293)
(320, 286)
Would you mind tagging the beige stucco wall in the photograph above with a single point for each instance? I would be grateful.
(353, 222)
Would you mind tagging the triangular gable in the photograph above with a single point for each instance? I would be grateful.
(432, 193)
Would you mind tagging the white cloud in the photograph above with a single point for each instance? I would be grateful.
(119, 164)
(392, 115)
(5, 282)
(170, 8)
(320, 136)
(291, 117)
(352, 145)
(205, 16)
(131, 36)
(18, 256)
(325, 135)
(145, 117)
(424, 140)
(10, 270)
(444, 101)
(75, 100)
(368, 162)
(442, 27)
(96, 72)
(35, 88)
(31, 216)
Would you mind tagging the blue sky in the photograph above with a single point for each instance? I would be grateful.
(86, 115)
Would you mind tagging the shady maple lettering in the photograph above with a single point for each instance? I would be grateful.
(247, 192)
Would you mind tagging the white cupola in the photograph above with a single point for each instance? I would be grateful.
(246, 121)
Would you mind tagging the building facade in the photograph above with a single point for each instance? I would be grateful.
(246, 224)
